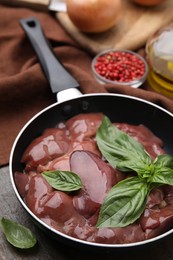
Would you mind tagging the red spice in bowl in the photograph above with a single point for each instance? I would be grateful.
(120, 67)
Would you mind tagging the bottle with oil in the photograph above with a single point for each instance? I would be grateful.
(159, 50)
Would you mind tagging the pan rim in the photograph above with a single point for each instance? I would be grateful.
(79, 241)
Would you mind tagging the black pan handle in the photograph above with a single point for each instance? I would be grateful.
(58, 77)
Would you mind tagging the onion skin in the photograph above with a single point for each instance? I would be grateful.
(148, 2)
(94, 16)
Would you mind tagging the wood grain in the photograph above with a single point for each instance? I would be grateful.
(135, 25)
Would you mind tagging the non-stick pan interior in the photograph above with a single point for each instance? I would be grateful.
(118, 108)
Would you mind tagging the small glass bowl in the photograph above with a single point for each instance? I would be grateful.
(121, 63)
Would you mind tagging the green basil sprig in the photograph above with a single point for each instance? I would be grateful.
(126, 201)
(63, 180)
(123, 202)
(121, 151)
(17, 235)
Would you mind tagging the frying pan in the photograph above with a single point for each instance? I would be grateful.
(119, 108)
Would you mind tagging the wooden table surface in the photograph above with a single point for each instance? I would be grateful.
(49, 249)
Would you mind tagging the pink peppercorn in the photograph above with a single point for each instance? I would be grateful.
(120, 66)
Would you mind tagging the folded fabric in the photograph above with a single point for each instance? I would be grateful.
(24, 90)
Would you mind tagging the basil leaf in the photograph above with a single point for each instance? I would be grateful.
(162, 175)
(124, 203)
(63, 180)
(163, 170)
(120, 150)
(136, 166)
(164, 160)
(17, 235)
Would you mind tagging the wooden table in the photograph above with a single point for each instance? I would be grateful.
(49, 249)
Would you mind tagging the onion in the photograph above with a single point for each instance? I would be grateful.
(149, 2)
(94, 16)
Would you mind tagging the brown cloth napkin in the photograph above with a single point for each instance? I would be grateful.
(24, 91)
